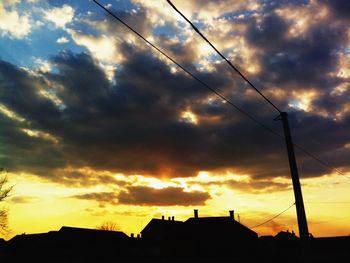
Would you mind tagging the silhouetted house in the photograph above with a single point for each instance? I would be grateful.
(276, 247)
(218, 228)
(161, 235)
(222, 235)
(71, 235)
(77, 244)
(206, 236)
(285, 235)
(160, 229)
(224, 227)
(86, 234)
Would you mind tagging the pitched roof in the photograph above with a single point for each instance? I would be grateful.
(219, 225)
(197, 228)
(90, 232)
(161, 226)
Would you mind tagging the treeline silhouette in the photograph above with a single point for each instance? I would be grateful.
(198, 239)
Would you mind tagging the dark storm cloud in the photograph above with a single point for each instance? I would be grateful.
(324, 138)
(294, 64)
(141, 195)
(134, 126)
(84, 82)
(117, 128)
(25, 153)
(334, 103)
(340, 8)
(183, 53)
(85, 179)
(138, 20)
(18, 91)
(268, 5)
(256, 186)
(269, 33)
(305, 61)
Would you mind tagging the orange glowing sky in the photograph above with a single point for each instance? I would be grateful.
(96, 126)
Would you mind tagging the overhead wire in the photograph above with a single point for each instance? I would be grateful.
(321, 162)
(228, 101)
(274, 217)
(253, 86)
(289, 207)
(224, 58)
(327, 202)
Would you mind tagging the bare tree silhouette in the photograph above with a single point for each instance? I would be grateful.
(4, 193)
(108, 226)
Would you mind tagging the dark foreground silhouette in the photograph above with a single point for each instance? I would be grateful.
(198, 239)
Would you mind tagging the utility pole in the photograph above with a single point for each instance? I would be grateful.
(302, 223)
(299, 203)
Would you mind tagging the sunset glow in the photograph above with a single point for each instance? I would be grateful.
(96, 126)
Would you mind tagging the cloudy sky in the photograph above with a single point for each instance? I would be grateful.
(97, 126)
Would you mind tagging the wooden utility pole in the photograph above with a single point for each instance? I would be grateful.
(302, 223)
(299, 203)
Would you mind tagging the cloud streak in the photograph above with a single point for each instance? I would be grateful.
(171, 196)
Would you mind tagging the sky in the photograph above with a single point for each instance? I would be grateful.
(97, 126)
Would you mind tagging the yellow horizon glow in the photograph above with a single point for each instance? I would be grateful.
(48, 206)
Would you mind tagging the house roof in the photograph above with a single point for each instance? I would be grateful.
(212, 219)
(284, 235)
(70, 232)
(197, 228)
(161, 225)
(88, 231)
(218, 224)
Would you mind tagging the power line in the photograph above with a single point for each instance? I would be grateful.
(321, 162)
(224, 58)
(252, 85)
(218, 94)
(272, 218)
(327, 202)
(229, 102)
(191, 74)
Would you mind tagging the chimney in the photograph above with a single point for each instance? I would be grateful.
(162, 217)
(132, 235)
(195, 213)
(169, 218)
(232, 214)
(172, 218)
